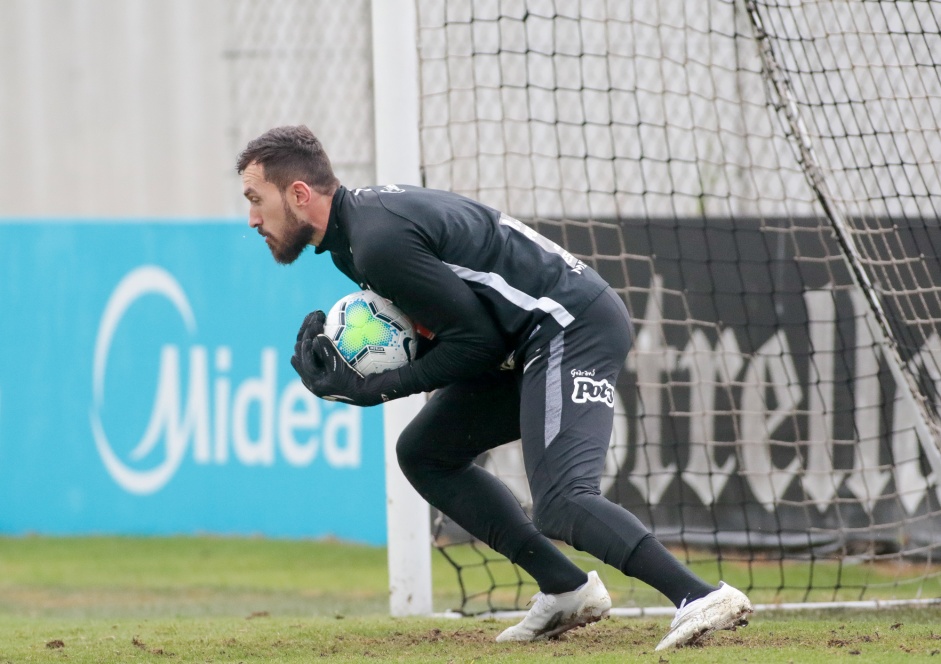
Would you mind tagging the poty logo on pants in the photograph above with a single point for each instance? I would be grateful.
(587, 389)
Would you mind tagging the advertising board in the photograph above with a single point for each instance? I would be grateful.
(146, 388)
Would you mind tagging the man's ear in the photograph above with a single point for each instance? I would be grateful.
(301, 193)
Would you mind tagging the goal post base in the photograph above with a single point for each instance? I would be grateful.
(408, 521)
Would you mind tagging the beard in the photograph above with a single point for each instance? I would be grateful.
(297, 237)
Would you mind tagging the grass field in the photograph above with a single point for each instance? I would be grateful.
(256, 600)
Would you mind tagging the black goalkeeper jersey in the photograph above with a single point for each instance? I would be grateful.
(487, 286)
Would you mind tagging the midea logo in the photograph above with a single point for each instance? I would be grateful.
(217, 420)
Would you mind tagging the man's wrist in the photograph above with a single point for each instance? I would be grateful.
(385, 386)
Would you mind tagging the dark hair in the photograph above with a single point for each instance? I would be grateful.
(288, 154)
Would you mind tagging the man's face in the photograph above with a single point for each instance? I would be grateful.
(286, 234)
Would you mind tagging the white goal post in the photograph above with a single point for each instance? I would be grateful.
(395, 89)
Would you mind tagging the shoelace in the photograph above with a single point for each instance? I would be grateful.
(536, 602)
(679, 612)
(534, 599)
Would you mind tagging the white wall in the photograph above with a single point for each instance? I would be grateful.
(139, 107)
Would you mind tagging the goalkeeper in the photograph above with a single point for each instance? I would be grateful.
(527, 344)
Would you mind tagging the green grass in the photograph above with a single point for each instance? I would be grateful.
(255, 600)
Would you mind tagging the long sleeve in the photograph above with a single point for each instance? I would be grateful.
(398, 263)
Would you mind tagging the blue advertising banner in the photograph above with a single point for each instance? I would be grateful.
(146, 388)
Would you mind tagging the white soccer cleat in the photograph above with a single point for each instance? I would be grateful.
(725, 608)
(553, 614)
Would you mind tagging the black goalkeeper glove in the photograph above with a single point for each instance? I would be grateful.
(305, 364)
(330, 377)
(310, 328)
(325, 373)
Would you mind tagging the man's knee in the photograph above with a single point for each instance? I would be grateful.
(557, 514)
(412, 454)
(420, 453)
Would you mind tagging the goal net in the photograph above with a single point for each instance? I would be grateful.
(760, 182)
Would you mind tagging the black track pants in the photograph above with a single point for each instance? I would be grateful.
(561, 403)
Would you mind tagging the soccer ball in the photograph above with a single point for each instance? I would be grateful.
(370, 332)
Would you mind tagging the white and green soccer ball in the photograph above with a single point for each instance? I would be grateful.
(371, 333)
